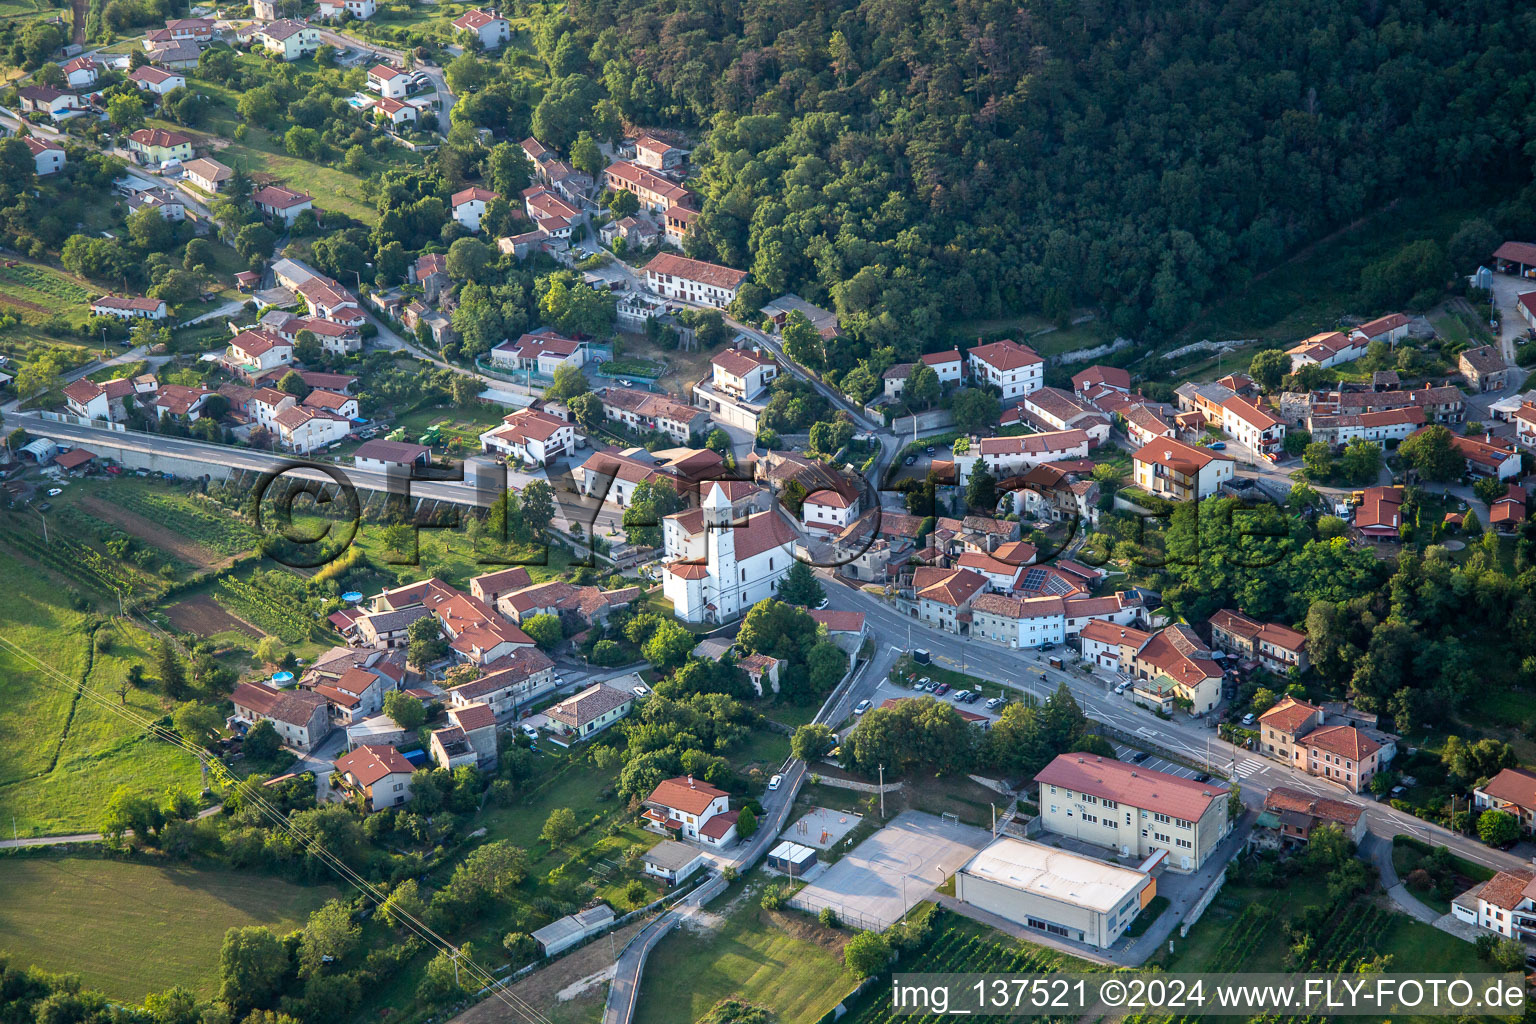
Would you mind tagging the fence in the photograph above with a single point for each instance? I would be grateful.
(861, 787)
(855, 918)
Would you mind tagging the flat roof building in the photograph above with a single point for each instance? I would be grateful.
(1055, 892)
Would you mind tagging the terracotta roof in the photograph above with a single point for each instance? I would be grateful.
(1034, 444)
(1343, 740)
(1105, 632)
(1179, 654)
(475, 19)
(717, 826)
(384, 72)
(1513, 785)
(127, 302)
(153, 75)
(203, 167)
(509, 671)
(296, 707)
(1340, 812)
(83, 390)
(1249, 413)
(941, 358)
(644, 178)
(369, 764)
(954, 588)
(1507, 888)
(473, 716)
(839, 622)
(685, 793)
(759, 533)
(1005, 355)
(1289, 716)
(1380, 509)
(471, 194)
(1114, 376)
(712, 274)
(829, 499)
(279, 198)
(282, 29)
(1131, 784)
(589, 705)
(739, 362)
(1382, 325)
(1166, 451)
(391, 451)
(500, 582)
(73, 458)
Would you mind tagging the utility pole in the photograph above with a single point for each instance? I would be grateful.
(45, 523)
(882, 792)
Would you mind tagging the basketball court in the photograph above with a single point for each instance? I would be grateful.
(822, 827)
(893, 870)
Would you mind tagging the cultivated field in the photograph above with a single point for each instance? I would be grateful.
(204, 616)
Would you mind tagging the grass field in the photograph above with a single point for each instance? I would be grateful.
(131, 929)
(783, 961)
(62, 757)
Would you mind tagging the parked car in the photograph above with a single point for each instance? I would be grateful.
(1203, 777)
(641, 691)
(1217, 446)
(773, 783)
(861, 707)
(960, 696)
(54, 492)
(993, 703)
(529, 731)
(1121, 688)
(941, 689)
(930, 449)
(1141, 755)
(910, 460)
(1047, 647)
(45, 506)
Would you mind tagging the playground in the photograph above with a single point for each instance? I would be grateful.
(822, 827)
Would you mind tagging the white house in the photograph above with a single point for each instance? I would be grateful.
(45, 99)
(469, 206)
(742, 565)
(381, 773)
(1173, 469)
(81, 72)
(125, 308)
(253, 353)
(1015, 369)
(542, 352)
(277, 203)
(689, 808)
(948, 365)
(265, 404)
(47, 157)
(1327, 349)
(706, 284)
(531, 436)
(1251, 425)
(388, 80)
(829, 511)
(382, 456)
(329, 300)
(87, 398)
(742, 373)
(301, 718)
(303, 429)
(159, 81)
(208, 175)
(1009, 456)
(396, 112)
(488, 26)
(287, 39)
(362, 10)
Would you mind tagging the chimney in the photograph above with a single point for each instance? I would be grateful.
(1081, 761)
(1135, 776)
(690, 782)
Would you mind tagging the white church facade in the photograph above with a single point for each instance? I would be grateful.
(742, 564)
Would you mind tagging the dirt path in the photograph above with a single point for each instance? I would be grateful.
(576, 975)
(157, 535)
(80, 9)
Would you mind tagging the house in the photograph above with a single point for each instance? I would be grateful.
(1484, 456)
(382, 456)
(304, 429)
(943, 596)
(287, 39)
(156, 146)
(1484, 368)
(1007, 457)
(42, 99)
(947, 365)
(159, 81)
(1507, 513)
(87, 398)
(1182, 472)
(688, 808)
(468, 205)
(706, 284)
(823, 320)
(124, 308)
(281, 204)
(355, 693)
(1380, 426)
(81, 72)
(75, 460)
(1019, 622)
(1108, 645)
(578, 606)
(1172, 666)
(438, 323)
(676, 220)
(431, 272)
(632, 230)
(198, 30)
(1379, 514)
(1013, 368)
(331, 301)
(553, 215)
(657, 155)
(47, 157)
(672, 862)
(451, 749)
(335, 10)
(742, 565)
(572, 184)
(1512, 790)
(338, 339)
(301, 718)
(389, 81)
(1297, 815)
(180, 54)
(488, 27)
(655, 193)
(1055, 892)
(1098, 377)
(474, 631)
(1282, 727)
(396, 112)
(162, 200)
(531, 437)
(1505, 905)
(208, 175)
(1050, 493)
(1051, 409)
(614, 475)
(829, 511)
(179, 401)
(589, 712)
(1341, 754)
(1327, 349)
(380, 773)
(1251, 425)
(252, 354)
(742, 373)
(524, 676)
(1133, 810)
(542, 351)
(344, 406)
(644, 410)
(1278, 648)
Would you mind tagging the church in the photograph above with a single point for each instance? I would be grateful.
(743, 563)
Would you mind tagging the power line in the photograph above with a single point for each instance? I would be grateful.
(307, 842)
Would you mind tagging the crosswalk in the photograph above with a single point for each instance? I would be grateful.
(1246, 767)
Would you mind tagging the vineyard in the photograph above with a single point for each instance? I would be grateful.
(1244, 936)
(954, 946)
(81, 564)
(274, 601)
(216, 530)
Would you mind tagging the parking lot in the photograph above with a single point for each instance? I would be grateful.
(1126, 752)
(887, 690)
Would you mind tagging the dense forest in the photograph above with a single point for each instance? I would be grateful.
(919, 161)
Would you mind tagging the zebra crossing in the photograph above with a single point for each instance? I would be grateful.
(1246, 767)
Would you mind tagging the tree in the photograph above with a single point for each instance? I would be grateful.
(261, 744)
(586, 156)
(812, 741)
(1472, 244)
(470, 259)
(719, 441)
(129, 811)
(975, 410)
(802, 342)
(623, 203)
(1269, 367)
(507, 169)
(544, 629)
(538, 507)
(1318, 459)
(466, 73)
(197, 722)
(173, 674)
(269, 650)
(569, 381)
(293, 384)
(1498, 828)
(425, 642)
(800, 586)
(252, 968)
(669, 646)
(560, 827)
(1430, 453)
(1362, 461)
(329, 932)
(650, 502)
(981, 490)
(125, 110)
(922, 387)
(866, 954)
(825, 664)
(406, 711)
(588, 410)
(403, 904)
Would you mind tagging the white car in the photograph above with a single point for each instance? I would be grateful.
(642, 691)
(862, 707)
(824, 602)
(529, 731)
(1120, 688)
(54, 492)
(773, 783)
(1248, 719)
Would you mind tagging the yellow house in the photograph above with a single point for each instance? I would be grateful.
(289, 39)
(156, 145)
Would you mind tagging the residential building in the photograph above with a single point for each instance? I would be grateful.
(162, 200)
(380, 773)
(1282, 727)
(743, 563)
(1508, 512)
(330, 301)
(1293, 816)
(81, 72)
(1133, 810)
(1015, 369)
(948, 366)
(1143, 425)
(1327, 349)
(554, 216)
(1107, 645)
(488, 27)
(389, 81)
(1380, 427)
(1251, 425)
(657, 155)
(1019, 622)
(676, 221)
(1173, 666)
(180, 402)
(1512, 790)
(1182, 472)
(577, 606)
(304, 429)
(47, 157)
(476, 725)
(542, 351)
(335, 10)
(287, 39)
(1485, 456)
(823, 320)
(688, 808)
(589, 712)
(1379, 515)
(208, 175)
(301, 718)
(43, 99)
(395, 112)
(474, 631)
(159, 81)
(253, 354)
(155, 146)
(1007, 457)
(523, 677)
(1484, 368)
(673, 862)
(829, 510)
(644, 410)
(468, 205)
(655, 193)
(695, 281)
(281, 204)
(742, 373)
(633, 230)
(1097, 377)
(529, 436)
(182, 55)
(943, 597)
(129, 308)
(1055, 892)
(1278, 648)
(1504, 904)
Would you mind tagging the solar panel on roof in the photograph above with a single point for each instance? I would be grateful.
(1034, 578)
(1057, 585)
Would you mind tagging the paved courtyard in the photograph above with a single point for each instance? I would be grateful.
(893, 870)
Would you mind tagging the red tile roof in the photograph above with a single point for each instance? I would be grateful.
(1006, 355)
(1131, 784)
(369, 764)
(685, 793)
(1289, 716)
(1343, 740)
(712, 274)
(839, 622)
(1340, 812)
(1513, 785)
